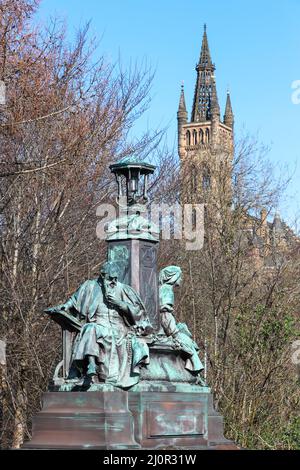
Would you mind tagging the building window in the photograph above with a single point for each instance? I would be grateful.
(201, 136)
(195, 140)
(206, 180)
(188, 138)
(193, 179)
(207, 135)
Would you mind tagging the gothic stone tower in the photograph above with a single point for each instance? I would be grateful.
(205, 144)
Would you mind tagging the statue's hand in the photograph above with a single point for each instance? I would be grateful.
(57, 308)
(111, 298)
(144, 328)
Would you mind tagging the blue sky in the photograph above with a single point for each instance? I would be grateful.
(254, 44)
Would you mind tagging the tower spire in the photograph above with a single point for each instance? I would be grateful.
(228, 116)
(182, 106)
(205, 58)
(204, 85)
(182, 117)
(182, 114)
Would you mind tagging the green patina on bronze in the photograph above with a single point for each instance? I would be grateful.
(128, 172)
(109, 338)
(132, 179)
(119, 254)
(110, 343)
(132, 226)
(170, 277)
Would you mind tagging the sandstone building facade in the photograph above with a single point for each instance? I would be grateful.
(206, 153)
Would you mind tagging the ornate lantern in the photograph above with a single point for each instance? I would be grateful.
(132, 179)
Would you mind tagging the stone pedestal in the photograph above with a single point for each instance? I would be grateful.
(128, 420)
(83, 420)
(182, 420)
(174, 420)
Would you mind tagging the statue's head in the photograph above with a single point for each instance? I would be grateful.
(171, 275)
(109, 272)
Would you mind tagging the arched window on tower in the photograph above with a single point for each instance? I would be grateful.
(207, 136)
(206, 179)
(193, 179)
(188, 138)
(201, 136)
(195, 139)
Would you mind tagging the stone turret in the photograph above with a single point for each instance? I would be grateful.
(228, 116)
(182, 117)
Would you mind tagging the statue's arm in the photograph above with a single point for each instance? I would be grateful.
(68, 306)
(71, 306)
(130, 311)
(131, 306)
(168, 322)
(66, 314)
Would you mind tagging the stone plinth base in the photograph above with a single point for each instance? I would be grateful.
(83, 420)
(183, 420)
(128, 420)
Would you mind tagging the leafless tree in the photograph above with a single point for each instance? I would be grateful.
(65, 119)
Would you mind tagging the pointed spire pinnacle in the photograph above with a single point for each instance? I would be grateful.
(228, 116)
(182, 106)
(182, 112)
(203, 98)
(214, 102)
(205, 58)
